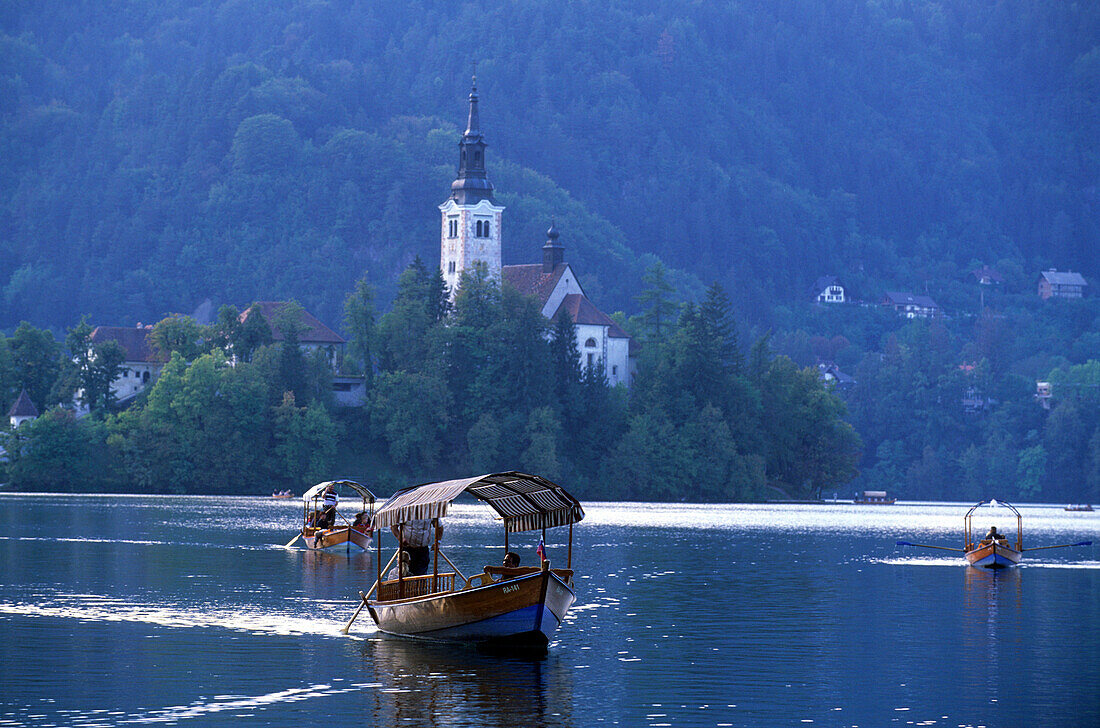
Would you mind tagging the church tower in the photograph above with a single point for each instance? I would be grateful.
(470, 229)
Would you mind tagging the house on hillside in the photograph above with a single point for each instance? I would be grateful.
(828, 289)
(348, 391)
(1061, 284)
(470, 234)
(22, 410)
(830, 373)
(141, 366)
(911, 305)
(987, 276)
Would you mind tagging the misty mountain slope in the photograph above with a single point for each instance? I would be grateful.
(154, 156)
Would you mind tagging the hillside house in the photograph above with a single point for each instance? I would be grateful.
(828, 289)
(911, 305)
(141, 366)
(22, 410)
(1061, 284)
(830, 373)
(987, 276)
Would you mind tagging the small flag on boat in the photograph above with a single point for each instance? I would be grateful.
(541, 550)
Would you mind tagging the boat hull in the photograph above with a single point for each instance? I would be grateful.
(521, 612)
(993, 556)
(338, 540)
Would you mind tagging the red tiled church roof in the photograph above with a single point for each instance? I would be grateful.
(531, 281)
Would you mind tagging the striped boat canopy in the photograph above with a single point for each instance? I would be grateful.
(315, 491)
(525, 502)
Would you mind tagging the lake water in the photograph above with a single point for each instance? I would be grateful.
(187, 611)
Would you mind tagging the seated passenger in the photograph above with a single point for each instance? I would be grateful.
(511, 560)
(362, 525)
(401, 571)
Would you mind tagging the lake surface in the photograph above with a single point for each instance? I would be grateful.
(187, 611)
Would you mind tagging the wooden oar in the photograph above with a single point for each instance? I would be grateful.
(926, 546)
(1060, 546)
(362, 603)
(291, 542)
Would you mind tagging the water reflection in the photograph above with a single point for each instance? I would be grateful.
(430, 684)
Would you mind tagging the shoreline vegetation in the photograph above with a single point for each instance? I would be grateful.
(482, 384)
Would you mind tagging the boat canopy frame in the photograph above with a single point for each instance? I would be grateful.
(968, 533)
(524, 502)
(312, 497)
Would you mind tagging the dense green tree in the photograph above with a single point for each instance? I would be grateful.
(254, 331)
(402, 332)
(656, 302)
(177, 333)
(305, 442)
(360, 321)
(58, 452)
(410, 412)
(36, 356)
(810, 446)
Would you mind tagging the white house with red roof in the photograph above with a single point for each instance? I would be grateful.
(141, 365)
(471, 233)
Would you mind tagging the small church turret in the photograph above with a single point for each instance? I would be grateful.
(553, 253)
(471, 219)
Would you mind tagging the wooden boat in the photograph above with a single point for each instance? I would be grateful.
(873, 498)
(997, 552)
(993, 553)
(1079, 507)
(333, 532)
(283, 494)
(509, 608)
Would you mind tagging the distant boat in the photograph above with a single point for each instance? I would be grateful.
(993, 551)
(1079, 507)
(329, 529)
(282, 494)
(873, 498)
(497, 608)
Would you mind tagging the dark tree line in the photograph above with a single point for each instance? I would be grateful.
(482, 383)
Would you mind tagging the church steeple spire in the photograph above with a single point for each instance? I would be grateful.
(472, 184)
(471, 222)
(473, 123)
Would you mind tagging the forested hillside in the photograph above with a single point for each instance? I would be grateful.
(158, 154)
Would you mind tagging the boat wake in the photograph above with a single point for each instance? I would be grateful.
(324, 619)
(139, 542)
(920, 561)
(237, 706)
